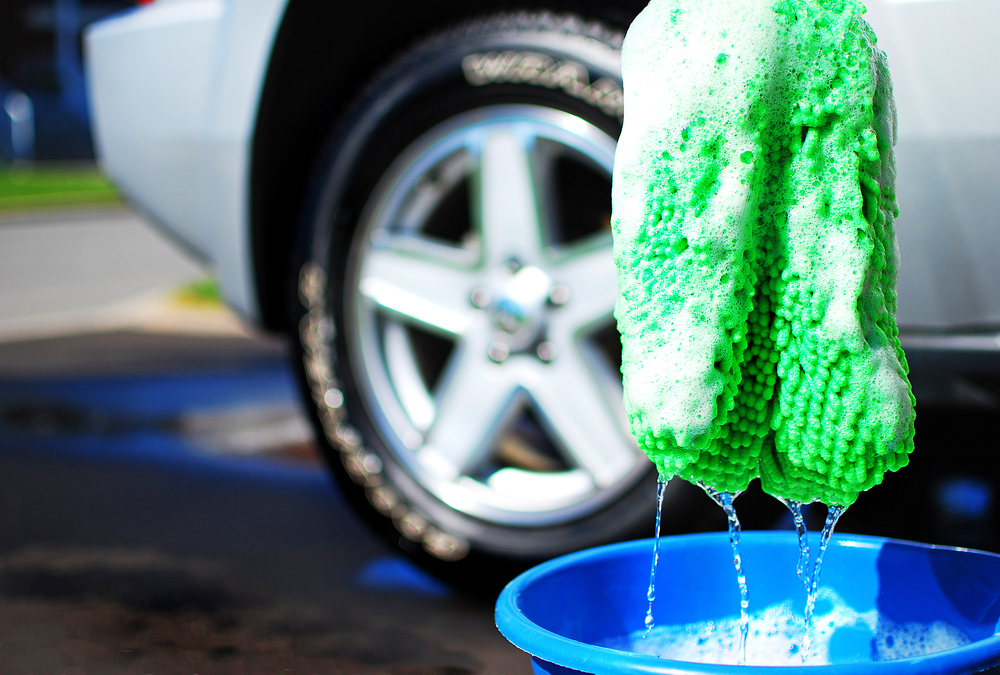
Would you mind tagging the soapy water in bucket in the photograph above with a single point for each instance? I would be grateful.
(837, 634)
(829, 631)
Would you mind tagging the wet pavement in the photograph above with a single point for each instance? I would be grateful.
(164, 511)
(65, 272)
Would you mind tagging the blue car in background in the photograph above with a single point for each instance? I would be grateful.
(418, 195)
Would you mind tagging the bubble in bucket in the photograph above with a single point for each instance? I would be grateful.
(839, 635)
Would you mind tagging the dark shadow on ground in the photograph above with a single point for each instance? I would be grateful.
(129, 548)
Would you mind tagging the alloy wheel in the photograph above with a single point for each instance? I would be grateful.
(484, 321)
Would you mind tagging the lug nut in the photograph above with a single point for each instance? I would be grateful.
(333, 398)
(546, 351)
(480, 297)
(499, 352)
(559, 295)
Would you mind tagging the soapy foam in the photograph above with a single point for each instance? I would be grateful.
(839, 634)
(753, 208)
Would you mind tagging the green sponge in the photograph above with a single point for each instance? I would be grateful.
(753, 220)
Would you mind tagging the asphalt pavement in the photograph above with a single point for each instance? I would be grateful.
(162, 506)
(66, 272)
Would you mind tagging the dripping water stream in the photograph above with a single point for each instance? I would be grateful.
(725, 500)
(811, 581)
(833, 514)
(800, 529)
(661, 485)
(809, 578)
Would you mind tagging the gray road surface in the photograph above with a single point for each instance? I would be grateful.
(59, 270)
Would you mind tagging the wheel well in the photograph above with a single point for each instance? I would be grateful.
(323, 55)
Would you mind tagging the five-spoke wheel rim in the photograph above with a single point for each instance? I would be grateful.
(512, 304)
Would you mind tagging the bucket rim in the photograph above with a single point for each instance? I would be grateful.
(551, 647)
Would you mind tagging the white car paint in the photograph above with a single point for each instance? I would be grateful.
(174, 91)
(943, 57)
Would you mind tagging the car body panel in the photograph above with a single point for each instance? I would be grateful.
(942, 56)
(149, 120)
(174, 90)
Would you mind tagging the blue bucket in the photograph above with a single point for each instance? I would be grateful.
(561, 612)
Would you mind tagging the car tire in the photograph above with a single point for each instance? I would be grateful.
(445, 336)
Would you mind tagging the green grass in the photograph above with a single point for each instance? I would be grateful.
(204, 292)
(41, 186)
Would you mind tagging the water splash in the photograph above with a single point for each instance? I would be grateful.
(661, 485)
(833, 514)
(725, 500)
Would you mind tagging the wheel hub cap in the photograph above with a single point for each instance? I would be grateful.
(519, 311)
